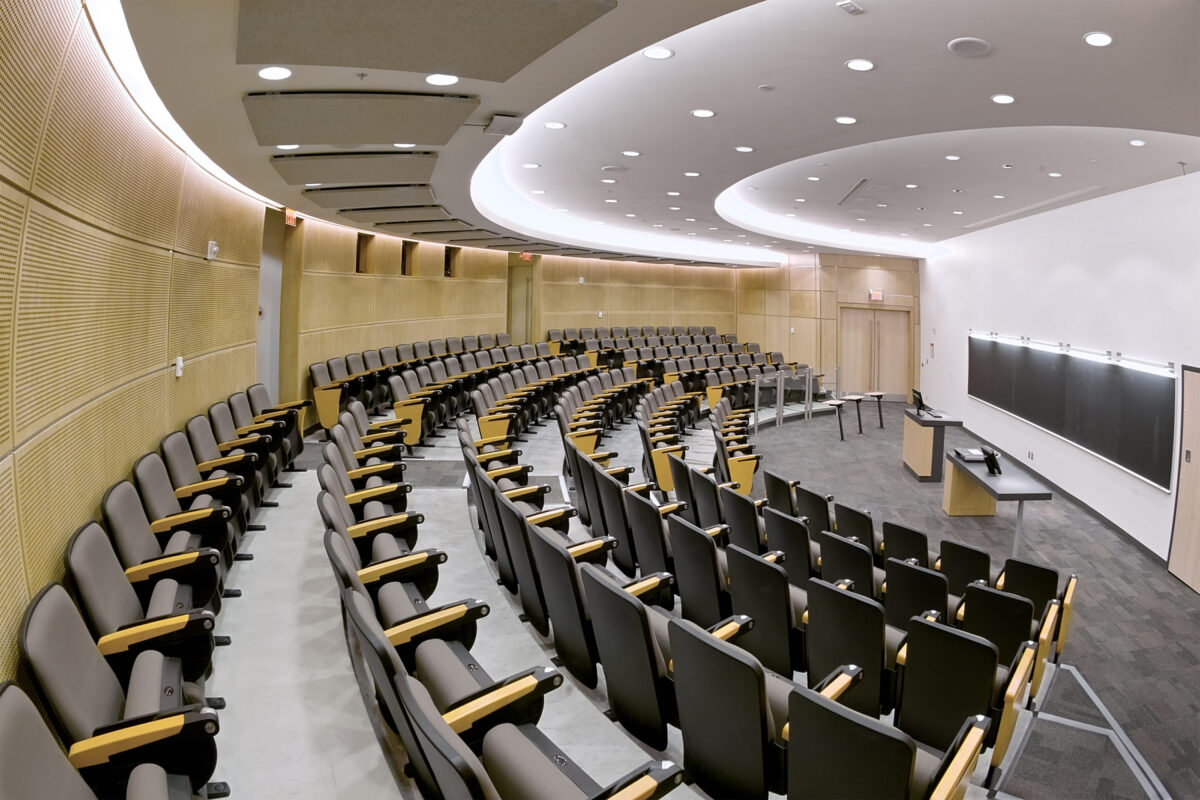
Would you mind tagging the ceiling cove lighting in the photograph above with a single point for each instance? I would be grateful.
(997, 197)
(287, 146)
(703, 113)
(1137, 143)
(311, 185)
(553, 126)
(274, 73)
(860, 65)
(845, 120)
(658, 52)
(440, 79)
(1098, 39)
(1003, 99)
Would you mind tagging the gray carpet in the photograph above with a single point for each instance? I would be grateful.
(1134, 637)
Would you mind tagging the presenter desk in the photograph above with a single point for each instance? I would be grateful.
(925, 443)
(971, 491)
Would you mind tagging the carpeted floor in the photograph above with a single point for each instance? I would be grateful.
(1135, 634)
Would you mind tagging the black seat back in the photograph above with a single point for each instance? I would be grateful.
(911, 591)
(698, 575)
(759, 589)
(741, 514)
(963, 564)
(529, 587)
(790, 535)
(779, 493)
(564, 600)
(902, 542)
(1003, 619)
(846, 628)
(646, 529)
(1038, 583)
(708, 502)
(683, 486)
(815, 507)
(616, 522)
(842, 559)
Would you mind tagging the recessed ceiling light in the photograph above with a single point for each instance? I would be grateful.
(813, 178)
(997, 197)
(927, 224)
(910, 186)
(904, 234)
(1003, 99)
(274, 73)
(1098, 39)
(713, 229)
(1054, 174)
(630, 153)
(691, 233)
(441, 79)
(845, 120)
(881, 205)
(673, 208)
(789, 215)
(860, 65)
(403, 145)
(658, 52)
(531, 165)
(608, 180)
(846, 230)
(562, 211)
(310, 185)
(703, 113)
(952, 158)
(691, 174)
(538, 191)
(610, 200)
(1137, 143)
(727, 240)
(672, 194)
(956, 212)
(689, 219)
(744, 149)
(657, 225)
(741, 236)
(286, 146)
(631, 215)
(553, 126)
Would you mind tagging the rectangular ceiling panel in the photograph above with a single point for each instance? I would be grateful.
(354, 118)
(451, 236)
(411, 228)
(491, 242)
(355, 167)
(487, 39)
(371, 196)
(397, 214)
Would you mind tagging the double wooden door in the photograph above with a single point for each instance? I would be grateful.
(875, 352)
(1184, 559)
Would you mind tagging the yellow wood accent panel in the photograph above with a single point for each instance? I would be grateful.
(210, 210)
(407, 298)
(804, 260)
(804, 304)
(562, 269)
(327, 247)
(751, 327)
(828, 305)
(878, 262)
(207, 380)
(828, 277)
(14, 593)
(480, 264)
(430, 260)
(751, 301)
(918, 447)
(778, 302)
(963, 497)
(1184, 557)
(465, 297)
(751, 278)
(855, 281)
(654, 302)
(471, 326)
(775, 279)
(634, 274)
(101, 159)
(33, 39)
(803, 279)
(330, 300)
(805, 342)
(12, 220)
(320, 345)
(700, 300)
(91, 312)
(863, 299)
(568, 298)
(214, 306)
(775, 335)
(705, 277)
(88, 450)
(386, 255)
(829, 342)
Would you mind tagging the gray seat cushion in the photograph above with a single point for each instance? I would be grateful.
(395, 605)
(520, 770)
(151, 782)
(925, 767)
(165, 599)
(443, 673)
(385, 546)
(180, 542)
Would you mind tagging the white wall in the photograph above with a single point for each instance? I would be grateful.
(1119, 273)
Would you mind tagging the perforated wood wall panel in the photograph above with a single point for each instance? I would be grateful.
(101, 159)
(329, 300)
(14, 592)
(91, 313)
(211, 211)
(213, 306)
(465, 298)
(408, 298)
(328, 248)
(206, 380)
(33, 38)
(12, 214)
(62, 473)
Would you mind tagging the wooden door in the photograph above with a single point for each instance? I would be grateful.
(1184, 561)
(893, 354)
(856, 351)
(520, 302)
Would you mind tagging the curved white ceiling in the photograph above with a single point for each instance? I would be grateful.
(775, 76)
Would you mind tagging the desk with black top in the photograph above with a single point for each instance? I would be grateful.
(971, 491)
(924, 443)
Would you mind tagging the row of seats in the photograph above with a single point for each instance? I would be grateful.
(554, 335)
(465, 733)
(658, 668)
(120, 652)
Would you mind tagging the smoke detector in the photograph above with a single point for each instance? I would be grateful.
(850, 7)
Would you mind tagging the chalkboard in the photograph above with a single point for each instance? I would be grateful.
(1124, 414)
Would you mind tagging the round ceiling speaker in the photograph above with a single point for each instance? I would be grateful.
(969, 46)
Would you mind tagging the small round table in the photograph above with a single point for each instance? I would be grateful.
(857, 398)
(878, 396)
(837, 406)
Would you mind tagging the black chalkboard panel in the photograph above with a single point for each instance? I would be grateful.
(1123, 414)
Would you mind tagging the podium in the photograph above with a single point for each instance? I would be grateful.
(925, 444)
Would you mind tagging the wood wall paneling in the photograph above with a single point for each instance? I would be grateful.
(214, 306)
(209, 210)
(14, 590)
(12, 221)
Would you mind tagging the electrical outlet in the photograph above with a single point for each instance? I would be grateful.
(599, 315)
(179, 366)
(581, 280)
(212, 250)
(793, 330)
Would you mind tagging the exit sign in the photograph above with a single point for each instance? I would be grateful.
(527, 256)
(289, 217)
(876, 295)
